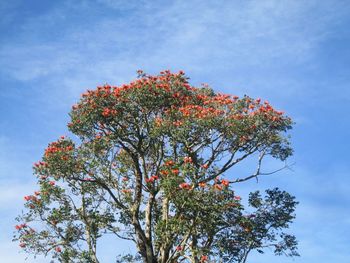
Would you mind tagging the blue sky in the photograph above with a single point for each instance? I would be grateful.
(293, 53)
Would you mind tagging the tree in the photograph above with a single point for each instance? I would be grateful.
(148, 166)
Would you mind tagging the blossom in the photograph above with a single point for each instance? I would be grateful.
(205, 166)
(188, 160)
(175, 171)
(164, 172)
(185, 186)
(217, 187)
(19, 227)
(151, 179)
(225, 182)
(108, 112)
(179, 248)
(202, 184)
(204, 258)
(169, 163)
(158, 121)
(177, 123)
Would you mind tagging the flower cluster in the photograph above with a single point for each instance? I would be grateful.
(186, 186)
(108, 112)
(200, 112)
(152, 179)
(58, 147)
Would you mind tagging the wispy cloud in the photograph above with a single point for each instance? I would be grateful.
(192, 35)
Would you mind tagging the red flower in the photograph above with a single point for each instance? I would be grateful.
(58, 249)
(149, 180)
(225, 182)
(188, 160)
(158, 121)
(217, 187)
(185, 186)
(175, 171)
(22, 245)
(204, 258)
(237, 198)
(106, 112)
(169, 163)
(52, 183)
(179, 248)
(205, 166)
(202, 184)
(177, 123)
(163, 172)
(155, 177)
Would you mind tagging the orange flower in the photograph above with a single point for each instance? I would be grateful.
(158, 121)
(149, 180)
(177, 123)
(204, 258)
(185, 186)
(188, 160)
(175, 171)
(169, 163)
(202, 184)
(225, 182)
(217, 187)
(163, 172)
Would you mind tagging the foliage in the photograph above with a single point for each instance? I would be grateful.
(149, 167)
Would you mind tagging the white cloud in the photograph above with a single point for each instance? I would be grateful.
(200, 37)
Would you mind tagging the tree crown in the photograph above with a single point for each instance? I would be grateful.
(150, 167)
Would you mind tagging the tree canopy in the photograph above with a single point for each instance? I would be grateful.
(149, 164)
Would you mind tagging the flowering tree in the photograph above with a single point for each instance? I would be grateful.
(150, 167)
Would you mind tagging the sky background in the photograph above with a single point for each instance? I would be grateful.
(294, 54)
